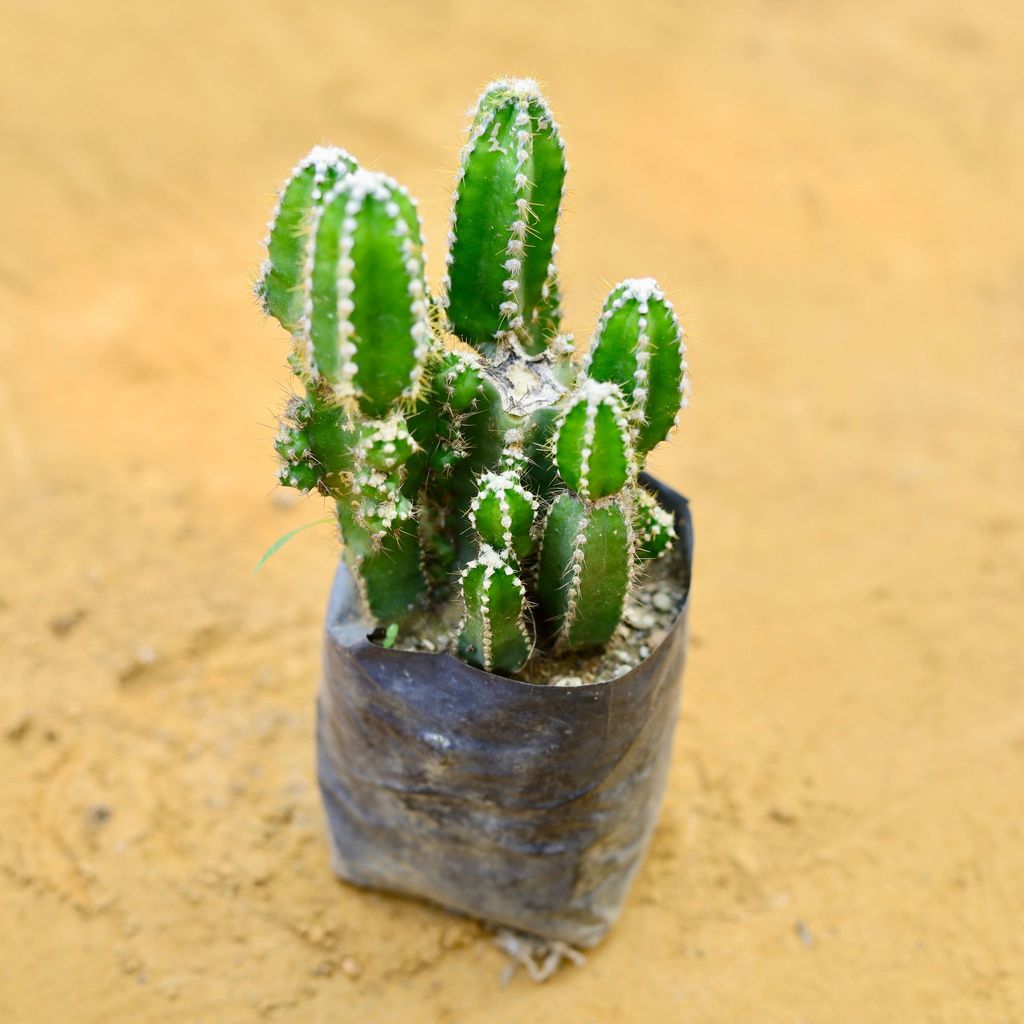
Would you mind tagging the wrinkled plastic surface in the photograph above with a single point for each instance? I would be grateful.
(526, 805)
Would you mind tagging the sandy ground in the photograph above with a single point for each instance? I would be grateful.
(834, 195)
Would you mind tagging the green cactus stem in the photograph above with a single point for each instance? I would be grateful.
(502, 513)
(365, 316)
(434, 425)
(587, 553)
(549, 312)
(592, 446)
(279, 285)
(585, 570)
(381, 452)
(365, 342)
(390, 572)
(462, 380)
(500, 282)
(315, 444)
(653, 526)
(493, 635)
(639, 346)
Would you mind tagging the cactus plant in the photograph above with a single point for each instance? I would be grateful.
(468, 456)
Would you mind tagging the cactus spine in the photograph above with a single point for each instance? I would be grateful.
(505, 474)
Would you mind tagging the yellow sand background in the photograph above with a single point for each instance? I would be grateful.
(833, 193)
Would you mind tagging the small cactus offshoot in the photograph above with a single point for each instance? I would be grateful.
(503, 473)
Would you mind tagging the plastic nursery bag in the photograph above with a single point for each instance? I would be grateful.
(526, 805)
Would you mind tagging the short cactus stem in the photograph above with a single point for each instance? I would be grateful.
(587, 552)
(493, 635)
(380, 507)
(501, 280)
(592, 442)
(585, 570)
(311, 179)
(639, 345)
(502, 513)
(298, 474)
(390, 572)
(384, 445)
(314, 442)
(653, 526)
(381, 452)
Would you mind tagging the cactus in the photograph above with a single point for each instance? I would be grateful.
(503, 475)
